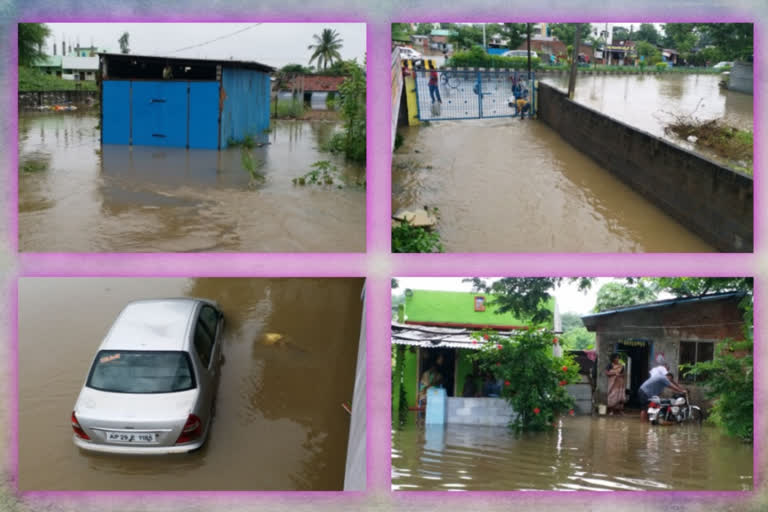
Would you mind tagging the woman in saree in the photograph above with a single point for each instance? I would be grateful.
(616, 373)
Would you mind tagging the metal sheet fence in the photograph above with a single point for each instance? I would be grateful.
(462, 94)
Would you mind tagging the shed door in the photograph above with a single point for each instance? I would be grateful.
(204, 115)
(160, 113)
(116, 112)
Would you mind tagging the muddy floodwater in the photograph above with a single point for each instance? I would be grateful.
(506, 185)
(279, 422)
(583, 454)
(79, 196)
(650, 102)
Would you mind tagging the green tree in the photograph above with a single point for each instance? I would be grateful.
(401, 29)
(534, 379)
(424, 29)
(566, 32)
(734, 40)
(352, 96)
(326, 48)
(698, 286)
(123, 42)
(295, 68)
(575, 336)
(620, 34)
(680, 36)
(647, 32)
(31, 40)
(465, 37)
(515, 32)
(615, 295)
(649, 51)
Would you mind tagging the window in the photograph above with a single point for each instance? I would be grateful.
(210, 318)
(133, 371)
(692, 352)
(203, 343)
(479, 303)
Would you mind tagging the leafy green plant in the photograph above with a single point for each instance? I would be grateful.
(351, 141)
(534, 379)
(408, 239)
(661, 66)
(478, 58)
(322, 173)
(251, 165)
(289, 109)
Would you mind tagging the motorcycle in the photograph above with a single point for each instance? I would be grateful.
(676, 409)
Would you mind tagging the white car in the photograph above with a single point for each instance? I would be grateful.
(723, 64)
(519, 53)
(409, 53)
(152, 386)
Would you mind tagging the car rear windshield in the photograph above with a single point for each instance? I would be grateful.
(133, 371)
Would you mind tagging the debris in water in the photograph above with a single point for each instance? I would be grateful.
(419, 218)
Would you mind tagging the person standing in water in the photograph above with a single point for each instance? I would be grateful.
(434, 89)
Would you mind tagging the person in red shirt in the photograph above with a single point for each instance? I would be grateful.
(434, 89)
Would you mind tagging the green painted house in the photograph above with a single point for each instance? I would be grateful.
(442, 323)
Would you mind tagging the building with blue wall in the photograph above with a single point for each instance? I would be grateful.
(178, 102)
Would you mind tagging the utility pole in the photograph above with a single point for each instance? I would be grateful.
(485, 47)
(574, 60)
(528, 37)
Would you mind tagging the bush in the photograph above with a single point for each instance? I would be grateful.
(662, 66)
(477, 58)
(32, 79)
(534, 379)
(409, 239)
(351, 101)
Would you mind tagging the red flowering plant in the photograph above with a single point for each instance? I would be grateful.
(534, 379)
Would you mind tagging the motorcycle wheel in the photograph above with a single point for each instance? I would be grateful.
(697, 415)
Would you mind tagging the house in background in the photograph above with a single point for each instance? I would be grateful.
(178, 102)
(679, 331)
(79, 68)
(50, 65)
(434, 323)
(438, 39)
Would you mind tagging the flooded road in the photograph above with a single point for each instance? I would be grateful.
(82, 197)
(506, 185)
(650, 102)
(279, 422)
(596, 454)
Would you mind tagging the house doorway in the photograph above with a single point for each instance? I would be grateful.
(429, 357)
(637, 354)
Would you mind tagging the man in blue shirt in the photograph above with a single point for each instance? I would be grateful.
(653, 387)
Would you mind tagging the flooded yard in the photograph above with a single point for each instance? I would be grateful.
(650, 102)
(279, 421)
(511, 185)
(78, 196)
(584, 453)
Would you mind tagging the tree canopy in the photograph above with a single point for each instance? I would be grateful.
(326, 48)
(566, 32)
(123, 42)
(647, 32)
(31, 40)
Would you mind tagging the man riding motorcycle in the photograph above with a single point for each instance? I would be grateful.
(653, 387)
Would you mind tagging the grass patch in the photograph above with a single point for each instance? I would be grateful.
(289, 109)
(322, 173)
(31, 79)
(33, 165)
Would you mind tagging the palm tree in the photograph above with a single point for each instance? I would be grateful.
(326, 49)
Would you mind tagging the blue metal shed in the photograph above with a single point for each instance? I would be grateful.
(192, 103)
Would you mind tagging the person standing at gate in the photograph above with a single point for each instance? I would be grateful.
(523, 106)
(434, 89)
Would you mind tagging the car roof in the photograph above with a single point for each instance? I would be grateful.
(155, 324)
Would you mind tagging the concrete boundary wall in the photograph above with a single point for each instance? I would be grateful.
(709, 199)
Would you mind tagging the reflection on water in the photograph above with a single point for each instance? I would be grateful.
(506, 185)
(142, 198)
(651, 102)
(584, 453)
(279, 423)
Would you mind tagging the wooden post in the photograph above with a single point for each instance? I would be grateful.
(574, 60)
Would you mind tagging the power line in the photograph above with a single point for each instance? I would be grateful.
(216, 39)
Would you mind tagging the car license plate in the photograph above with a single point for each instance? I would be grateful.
(132, 437)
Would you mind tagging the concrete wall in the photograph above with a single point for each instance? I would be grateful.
(582, 397)
(709, 199)
(493, 412)
(741, 78)
(354, 471)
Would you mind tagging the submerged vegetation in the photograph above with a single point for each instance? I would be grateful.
(322, 173)
(351, 141)
(732, 144)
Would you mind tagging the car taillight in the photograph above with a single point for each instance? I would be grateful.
(79, 432)
(193, 429)
(653, 405)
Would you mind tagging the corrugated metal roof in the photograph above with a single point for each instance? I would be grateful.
(80, 63)
(589, 320)
(183, 60)
(438, 337)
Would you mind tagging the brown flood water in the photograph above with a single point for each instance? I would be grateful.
(149, 199)
(583, 454)
(506, 185)
(279, 422)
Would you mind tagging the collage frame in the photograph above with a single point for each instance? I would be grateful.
(377, 265)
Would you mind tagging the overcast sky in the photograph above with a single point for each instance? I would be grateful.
(569, 298)
(275, 44)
